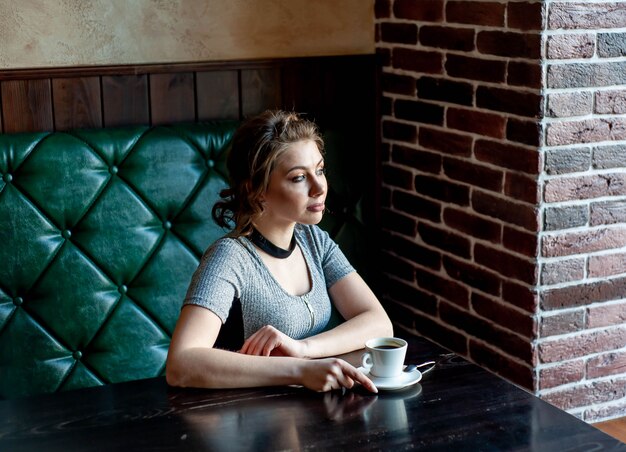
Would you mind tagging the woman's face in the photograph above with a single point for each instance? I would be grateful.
(297, 187)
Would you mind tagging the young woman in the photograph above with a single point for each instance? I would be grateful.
(280, 271)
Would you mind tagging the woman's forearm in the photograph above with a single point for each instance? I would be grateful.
(213, 368)
(350, 335)
(203, 367)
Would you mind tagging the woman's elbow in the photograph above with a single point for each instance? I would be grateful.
(174, 376)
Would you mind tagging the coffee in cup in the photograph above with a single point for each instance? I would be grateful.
(384, 356)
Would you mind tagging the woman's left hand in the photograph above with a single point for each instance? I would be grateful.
(268, 341)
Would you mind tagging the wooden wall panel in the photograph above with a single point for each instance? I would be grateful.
(329, 90)
(260, 90)
(77, 103)
(172, 98)
(27, 106)
(125, 100)
(217, 93)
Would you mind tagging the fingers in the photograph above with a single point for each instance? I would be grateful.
(342, 374)
(262, 342)
(358, 376)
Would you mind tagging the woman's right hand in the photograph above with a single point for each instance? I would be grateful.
(332, 373)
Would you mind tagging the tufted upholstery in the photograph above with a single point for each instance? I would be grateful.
(100, 231)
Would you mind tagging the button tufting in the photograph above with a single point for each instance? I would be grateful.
(167, 225)
(66, 233)
(17, 301)
(77, 355)
(210, 163)
(123, 289)
(7, 178)
(113, 169)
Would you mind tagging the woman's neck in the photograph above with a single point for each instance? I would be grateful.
(279, 236)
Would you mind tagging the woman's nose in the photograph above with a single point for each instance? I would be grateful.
(318, 187)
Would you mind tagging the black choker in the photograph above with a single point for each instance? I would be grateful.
(257, 238)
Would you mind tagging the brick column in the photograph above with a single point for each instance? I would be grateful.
(503, 220)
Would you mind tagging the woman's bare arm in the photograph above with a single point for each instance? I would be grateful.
(193, 362)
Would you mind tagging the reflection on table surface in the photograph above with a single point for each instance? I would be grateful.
(455, 406)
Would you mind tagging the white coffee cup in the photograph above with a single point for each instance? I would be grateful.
(384, 356)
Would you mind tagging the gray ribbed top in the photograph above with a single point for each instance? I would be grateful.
(231, 268)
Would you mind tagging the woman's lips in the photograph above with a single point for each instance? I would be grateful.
(319, 207)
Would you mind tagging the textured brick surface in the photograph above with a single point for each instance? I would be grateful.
(567, 160)
(569, 372)
(571, 46)
(415, 158)
(583, 295)
(587, 15)
(506, 264)
(565, 217)
(473, 225)
(509, 101)
(527, 75)
(607, 314)
(606, 364)
(517, 222)
(596, 392)
(611, 102)
(524, 131)
(430, 88)
(524, 15)
(476, 12)
(509, 44)
(474, 174)
(486, 124)
(417, 60)
(507, 211)
(474, 277)
(446, 141)
(568, 322)
(612, 45)
(585, 187)
(508, 156)
(583, 75)
(424, 10)
(399, 32)
(562, 271)
(475, 68)
(512, 344)
(607, 265)
(447, 38)
(504, 314)
(521, 187)
(561, 349)
(609, 212)
(569, 243)
(490, 358)
(417, 111)
(586, 131)
(578, 103)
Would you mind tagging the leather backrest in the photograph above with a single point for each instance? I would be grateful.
(100, 232)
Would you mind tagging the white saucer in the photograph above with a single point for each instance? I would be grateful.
(402, 381)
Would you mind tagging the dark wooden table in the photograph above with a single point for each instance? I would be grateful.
(456, 406)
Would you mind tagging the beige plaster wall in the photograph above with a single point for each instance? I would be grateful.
(40, 33)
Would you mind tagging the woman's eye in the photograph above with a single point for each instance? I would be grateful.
(321, 171)
(298, 178)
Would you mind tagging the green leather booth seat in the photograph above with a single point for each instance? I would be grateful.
(100, 232)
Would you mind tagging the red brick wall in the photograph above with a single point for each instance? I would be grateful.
(504, 188)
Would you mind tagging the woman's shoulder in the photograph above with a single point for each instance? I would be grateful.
(313, 235)
(232, 247)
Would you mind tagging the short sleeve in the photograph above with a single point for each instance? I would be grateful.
(335, 265)
(217, 280)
